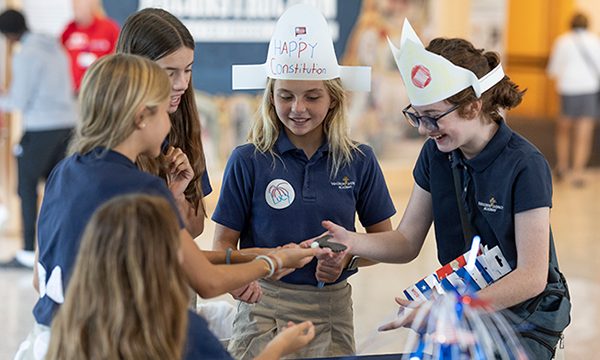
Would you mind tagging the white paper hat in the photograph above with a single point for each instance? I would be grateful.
(301, 49)
(429, 77)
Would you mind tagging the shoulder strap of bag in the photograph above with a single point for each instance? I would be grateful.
(554, 274)
(586, 56)
(467, 231)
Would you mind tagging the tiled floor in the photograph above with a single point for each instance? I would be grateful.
(575, 222)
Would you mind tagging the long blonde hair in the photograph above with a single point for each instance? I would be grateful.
(112, 90)
(127, 298)
(154, 34)
(265, 126)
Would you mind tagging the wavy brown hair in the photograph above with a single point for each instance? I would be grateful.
(504, 95)
(127, 298)
(265, 126)
(154, 34)
(112, 90)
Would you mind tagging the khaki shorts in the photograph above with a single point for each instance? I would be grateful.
(329, 309)
(35, 346)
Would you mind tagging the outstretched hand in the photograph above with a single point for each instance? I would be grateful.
(294, 257)
(340, 235)
(406, 315)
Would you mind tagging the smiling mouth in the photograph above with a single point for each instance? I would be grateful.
(299, 120)
(175, 99)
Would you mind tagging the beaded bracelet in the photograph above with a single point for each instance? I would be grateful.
(277, 260)
(271, 264)
(228, 256)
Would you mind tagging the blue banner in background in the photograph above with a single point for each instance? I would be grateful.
(236, 32)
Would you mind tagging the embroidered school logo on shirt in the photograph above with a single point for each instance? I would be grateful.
(492, 206)
(344, 184)
(279, 194)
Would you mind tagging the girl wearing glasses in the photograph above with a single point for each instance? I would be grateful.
(457, 94)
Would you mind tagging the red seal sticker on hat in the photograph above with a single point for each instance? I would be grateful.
(420, 76)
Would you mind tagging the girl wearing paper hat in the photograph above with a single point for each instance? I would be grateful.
(299, 168)
(457, 94)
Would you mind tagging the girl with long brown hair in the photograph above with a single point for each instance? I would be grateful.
(159, 36)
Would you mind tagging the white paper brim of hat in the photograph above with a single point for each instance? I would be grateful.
(301, 49)
(429, 77)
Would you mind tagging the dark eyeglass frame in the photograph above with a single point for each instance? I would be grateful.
(430, 122)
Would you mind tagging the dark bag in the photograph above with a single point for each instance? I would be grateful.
(540, 321)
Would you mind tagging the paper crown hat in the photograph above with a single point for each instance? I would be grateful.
(301, 49)
(429, 77)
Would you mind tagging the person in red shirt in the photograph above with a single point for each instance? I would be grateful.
(91, 35)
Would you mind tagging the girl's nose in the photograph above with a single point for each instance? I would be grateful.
(424, 128)
(180, 81)
(298, 106)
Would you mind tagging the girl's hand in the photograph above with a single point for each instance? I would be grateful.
(340, 235)
(251, 293)
(406, 315)
(180, 171)
(295, 257)
(329, 270)
(290, 340)
(330, 265)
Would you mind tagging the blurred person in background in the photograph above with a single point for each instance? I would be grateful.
(91, 35)
(575, 65)
(40, 88)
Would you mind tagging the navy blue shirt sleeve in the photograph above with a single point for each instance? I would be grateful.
(421, 170)
(201, 343)
(159, 188)
(206, 187)
(235, 200)
(533, 184)
(374, 204)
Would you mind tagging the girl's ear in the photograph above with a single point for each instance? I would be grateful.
(333, 104)
(139, 117)
(473, 109)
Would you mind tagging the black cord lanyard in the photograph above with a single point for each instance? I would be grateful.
(467, 231)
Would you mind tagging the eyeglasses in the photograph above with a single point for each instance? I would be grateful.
(430, 122)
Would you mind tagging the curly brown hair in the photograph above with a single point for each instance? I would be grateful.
(503, 95)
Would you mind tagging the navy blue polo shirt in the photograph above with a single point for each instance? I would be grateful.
(77, 186)
(509, 176)
(201, 342)
(273, 202)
